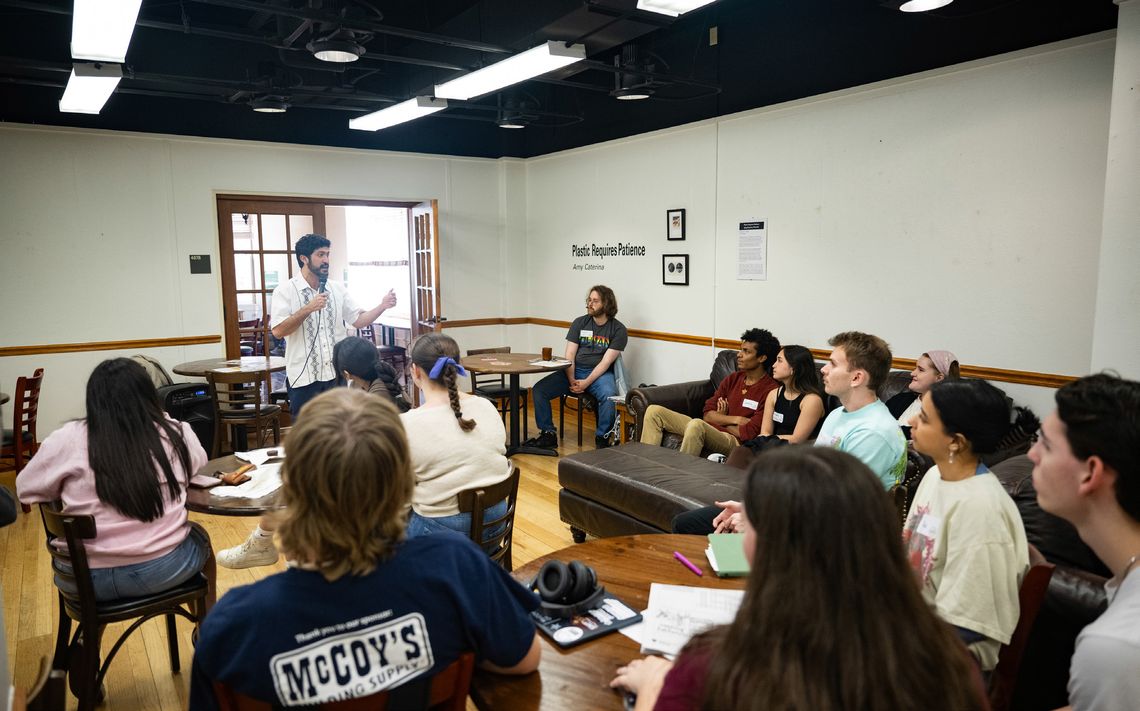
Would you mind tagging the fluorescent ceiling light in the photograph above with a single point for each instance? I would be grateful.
(923, 5)
(672, 8)
(89, 87)
(101, 29)
(526, 65)
(401, 112)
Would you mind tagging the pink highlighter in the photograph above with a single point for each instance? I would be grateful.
(685, 562)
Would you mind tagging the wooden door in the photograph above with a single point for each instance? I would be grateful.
(256, 254)
(424, 235)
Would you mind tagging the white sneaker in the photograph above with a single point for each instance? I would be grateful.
(717, 457)
(257, 550)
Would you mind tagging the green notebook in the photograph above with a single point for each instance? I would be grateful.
(726, 554)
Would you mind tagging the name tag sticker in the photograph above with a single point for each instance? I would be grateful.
(750, 404)
(929, 526)
(585, 334)
(777, 417)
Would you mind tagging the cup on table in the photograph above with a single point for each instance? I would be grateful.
(547, 353)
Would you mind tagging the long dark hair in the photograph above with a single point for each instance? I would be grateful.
(805, 376)
(832, 617)
(428, 349)
(358, 357)
(975, 409)
(125, 431)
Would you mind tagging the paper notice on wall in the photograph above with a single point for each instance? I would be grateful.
(752, 259)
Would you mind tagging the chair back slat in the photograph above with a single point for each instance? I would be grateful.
(236, 394)
(481, 380)
(72, 530)
(1030, 596)
(475, 501)
(25, 410)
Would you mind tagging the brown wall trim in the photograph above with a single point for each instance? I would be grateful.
(1021, 377)
(108, 345)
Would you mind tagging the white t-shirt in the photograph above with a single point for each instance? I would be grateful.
(1105, 672)
(448, 460)
(966, 542)
(308, 350)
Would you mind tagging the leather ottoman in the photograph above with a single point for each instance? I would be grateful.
(638, 488)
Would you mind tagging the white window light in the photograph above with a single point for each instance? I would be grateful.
(101, 29)
(89, 87)
(672, 8)
(525, 65)
(401, 112)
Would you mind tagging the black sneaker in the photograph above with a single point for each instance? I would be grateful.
(545, 440)
(601, 442)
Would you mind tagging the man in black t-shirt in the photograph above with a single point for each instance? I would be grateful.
(593, 343)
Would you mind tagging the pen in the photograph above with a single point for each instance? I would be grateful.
(685, 562)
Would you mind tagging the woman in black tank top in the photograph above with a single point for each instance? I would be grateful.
(794, 411)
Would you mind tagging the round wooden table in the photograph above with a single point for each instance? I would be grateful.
(513, 365)
(202, 501)
(579, 677)
(246, 364)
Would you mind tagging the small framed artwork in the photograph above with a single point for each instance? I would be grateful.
(675, 269)
(675, 224)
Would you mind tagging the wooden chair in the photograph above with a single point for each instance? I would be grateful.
(1031, 595)
(20, 442)
(49, 693)
(237, 403)
(446, 691)
(494, 386)
(79, 654)
(475, 501)
(586, 403)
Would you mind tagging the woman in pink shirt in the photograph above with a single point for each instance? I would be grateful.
(127, 464)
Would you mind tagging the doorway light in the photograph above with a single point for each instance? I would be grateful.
(101, 29)
(89, 87)
(535, 61)
(399, 113)
(672, 8)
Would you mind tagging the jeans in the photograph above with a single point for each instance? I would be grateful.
(556, 385)
(697, 521)
(148, 577)
(299, 396)
(460, 523)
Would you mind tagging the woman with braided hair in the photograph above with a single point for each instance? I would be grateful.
(457, 440)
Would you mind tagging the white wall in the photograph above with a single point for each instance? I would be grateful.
(959, 209)
(98, 227)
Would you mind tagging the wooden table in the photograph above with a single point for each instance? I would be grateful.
(246, 364)
(579, 677)
(202, 501)
(513, 365)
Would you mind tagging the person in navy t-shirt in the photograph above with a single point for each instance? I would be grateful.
(362, 610)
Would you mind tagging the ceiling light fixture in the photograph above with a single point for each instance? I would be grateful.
(269, 104)
(526, 65)
(399, 113)
(629, 85)
(672, 8)
(923, 5)
(89, 87)
(641, 92)
(101, 29)
(340, 46)
(512, 121)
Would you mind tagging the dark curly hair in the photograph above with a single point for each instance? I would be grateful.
(307, 245)
(766, 345)
(1102, 418)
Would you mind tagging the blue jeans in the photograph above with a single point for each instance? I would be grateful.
(460, 523)
(148, 577)
(299, 396)
(556, 385)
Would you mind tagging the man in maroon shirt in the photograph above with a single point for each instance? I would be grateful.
(735, 411)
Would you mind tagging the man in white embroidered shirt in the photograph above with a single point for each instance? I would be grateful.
(310, 313)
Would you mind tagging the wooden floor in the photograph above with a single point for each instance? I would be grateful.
(140, 678)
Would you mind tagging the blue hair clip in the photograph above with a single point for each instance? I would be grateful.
(444, 361)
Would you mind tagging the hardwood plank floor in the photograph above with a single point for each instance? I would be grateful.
(140, 678)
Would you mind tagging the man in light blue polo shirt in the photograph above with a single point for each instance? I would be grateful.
(862, 427)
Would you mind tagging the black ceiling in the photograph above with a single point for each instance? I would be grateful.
(194, 65)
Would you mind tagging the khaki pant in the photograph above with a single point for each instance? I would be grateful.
(697, 434)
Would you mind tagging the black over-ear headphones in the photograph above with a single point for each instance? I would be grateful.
(567, 590)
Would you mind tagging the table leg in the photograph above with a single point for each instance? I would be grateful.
(516, 447)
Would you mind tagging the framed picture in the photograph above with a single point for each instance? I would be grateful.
(675, 224)
(675, 269)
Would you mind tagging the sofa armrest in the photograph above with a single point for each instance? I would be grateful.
(687, 398)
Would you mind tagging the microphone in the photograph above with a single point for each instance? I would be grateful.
(323, 279)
